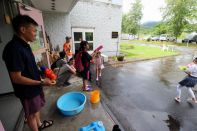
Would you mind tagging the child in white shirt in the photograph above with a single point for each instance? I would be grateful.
(189, 81)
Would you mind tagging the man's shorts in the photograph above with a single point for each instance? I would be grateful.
(33, 105)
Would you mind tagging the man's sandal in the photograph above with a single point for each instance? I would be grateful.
(45, 124)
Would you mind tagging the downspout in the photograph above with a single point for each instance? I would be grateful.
(117, 51)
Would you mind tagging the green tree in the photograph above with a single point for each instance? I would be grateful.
(124, 23)
(160, 28)
(131, 20)
(179, 14)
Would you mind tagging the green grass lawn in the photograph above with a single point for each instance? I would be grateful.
(192, 45)
(143, 51)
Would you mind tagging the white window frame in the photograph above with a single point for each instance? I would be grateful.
(83, 30)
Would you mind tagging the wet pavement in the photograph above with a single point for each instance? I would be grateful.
(141, 94)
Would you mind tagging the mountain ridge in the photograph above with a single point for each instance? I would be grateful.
(150, 24)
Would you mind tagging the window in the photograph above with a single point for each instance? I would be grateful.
(89, 36)
(77, 36)
(90, 46)
(77, 46)
(114, 34)
(83, 34)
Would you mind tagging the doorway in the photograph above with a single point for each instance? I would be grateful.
(39, 46)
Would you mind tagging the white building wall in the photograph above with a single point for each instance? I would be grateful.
(57, 26)
(6, 34)
(103, 17)
(117, 2)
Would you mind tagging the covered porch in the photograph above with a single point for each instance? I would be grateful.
(90, 113)
(12, 116)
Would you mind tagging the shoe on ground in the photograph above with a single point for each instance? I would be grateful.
(45, 124)
(88, 89)
(177, 99)
(192, 100)
(66, 83)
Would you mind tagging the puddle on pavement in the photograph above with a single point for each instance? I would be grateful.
(166, 82)
(173, 124)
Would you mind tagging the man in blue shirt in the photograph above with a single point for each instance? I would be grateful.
(23, 71)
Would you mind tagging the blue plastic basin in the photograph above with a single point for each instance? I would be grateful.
(71, 103)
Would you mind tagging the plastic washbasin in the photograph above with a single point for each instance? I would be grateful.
(71, 103)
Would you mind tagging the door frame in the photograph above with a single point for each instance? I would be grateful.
(37, 16)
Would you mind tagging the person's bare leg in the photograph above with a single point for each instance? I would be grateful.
(99, 70)
(97, 74)
(39, 123)
(84, 84)
(32, 122)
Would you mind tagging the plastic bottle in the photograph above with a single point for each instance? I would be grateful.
(95, 96)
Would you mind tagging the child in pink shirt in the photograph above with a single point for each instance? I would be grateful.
(98, 64)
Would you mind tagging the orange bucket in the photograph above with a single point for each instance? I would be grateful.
(95, 96)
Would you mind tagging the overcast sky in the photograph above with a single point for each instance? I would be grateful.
(151, 9)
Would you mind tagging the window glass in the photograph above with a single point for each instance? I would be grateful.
(39, 42)
(77, 36)
(77, 46)
(90, 46)
(89, 36)
(114, 34)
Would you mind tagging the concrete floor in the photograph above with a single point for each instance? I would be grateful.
(91, 112)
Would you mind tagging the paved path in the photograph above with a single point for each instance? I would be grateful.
(140, 95)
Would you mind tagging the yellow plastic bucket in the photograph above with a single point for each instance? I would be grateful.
(95, 96)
